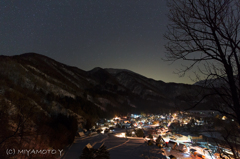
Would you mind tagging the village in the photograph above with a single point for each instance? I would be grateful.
(175, 135)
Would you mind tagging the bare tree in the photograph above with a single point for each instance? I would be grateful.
(206, 34)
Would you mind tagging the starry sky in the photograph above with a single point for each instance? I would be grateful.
(126, 34)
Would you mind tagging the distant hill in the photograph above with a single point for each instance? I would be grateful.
(211, 83)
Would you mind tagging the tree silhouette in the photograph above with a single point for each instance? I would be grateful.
(88, 153)
(102, 153)
(91, 153)
(206, 34)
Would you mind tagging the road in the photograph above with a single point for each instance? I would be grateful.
(120, 148)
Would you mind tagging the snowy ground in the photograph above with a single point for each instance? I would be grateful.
(122, 148)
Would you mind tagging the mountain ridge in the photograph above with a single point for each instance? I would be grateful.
(75, 80)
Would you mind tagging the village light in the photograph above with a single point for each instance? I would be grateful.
(224, 118)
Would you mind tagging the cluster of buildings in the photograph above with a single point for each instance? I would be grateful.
(175, 130)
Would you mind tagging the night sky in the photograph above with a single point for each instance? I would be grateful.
(91, 33)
